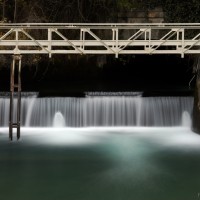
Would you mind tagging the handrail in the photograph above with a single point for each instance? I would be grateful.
(98, 25)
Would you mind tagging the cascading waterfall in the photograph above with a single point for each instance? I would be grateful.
(101, 110)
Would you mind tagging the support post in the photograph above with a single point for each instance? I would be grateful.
(196, 108)
(15, 87)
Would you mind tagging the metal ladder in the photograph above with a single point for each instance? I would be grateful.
(15, 88)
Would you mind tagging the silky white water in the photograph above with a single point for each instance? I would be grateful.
(101, 111)
(58, 120)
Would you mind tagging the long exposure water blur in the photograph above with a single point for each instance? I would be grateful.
(100, 163)
(120, 162)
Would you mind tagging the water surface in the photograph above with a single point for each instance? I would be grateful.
(139, 163)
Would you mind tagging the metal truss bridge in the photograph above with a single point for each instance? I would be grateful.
(103, 38)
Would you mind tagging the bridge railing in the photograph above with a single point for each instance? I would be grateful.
(108, 38)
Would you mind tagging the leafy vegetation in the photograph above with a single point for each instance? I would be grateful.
(93, 10)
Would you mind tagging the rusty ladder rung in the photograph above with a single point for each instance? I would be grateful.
(16, 86)
(15, 125)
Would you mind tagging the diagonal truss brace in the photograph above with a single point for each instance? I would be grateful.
(36, 42)
(192, 45)
(7, 34)
(163, 40)
(132, 39)
(68, 41)
(99, 40)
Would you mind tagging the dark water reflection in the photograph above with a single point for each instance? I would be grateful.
(102, 164)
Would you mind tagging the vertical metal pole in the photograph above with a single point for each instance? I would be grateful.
(177, 38)
(82, 36)
(19, 99)
(49, 41)
(11, 99)
(183, 43)
(14, 85)
(113, 36)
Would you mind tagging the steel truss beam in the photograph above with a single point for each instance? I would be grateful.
(105, 38)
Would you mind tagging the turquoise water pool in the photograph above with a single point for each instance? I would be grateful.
(121, 163)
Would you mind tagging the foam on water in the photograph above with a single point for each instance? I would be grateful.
(176, 137)
(58, 120)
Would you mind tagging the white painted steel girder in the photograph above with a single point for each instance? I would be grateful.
(102, 38)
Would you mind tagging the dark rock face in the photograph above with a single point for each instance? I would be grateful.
(196, 109)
